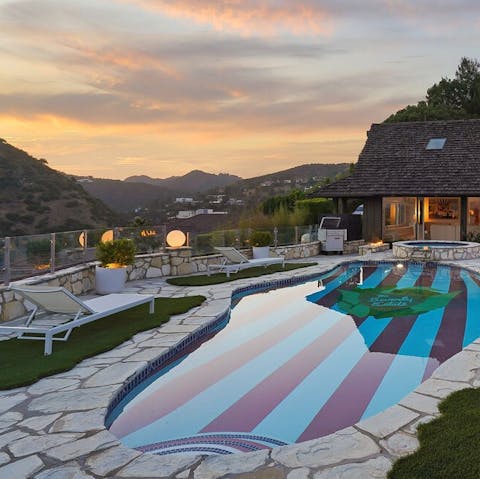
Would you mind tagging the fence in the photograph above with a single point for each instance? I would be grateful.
(26, 256)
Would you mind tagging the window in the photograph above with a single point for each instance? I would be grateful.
(443, 209)
(474, 211)
(399, 217)
(436, 143)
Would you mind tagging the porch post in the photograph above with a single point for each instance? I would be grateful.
(463, 217)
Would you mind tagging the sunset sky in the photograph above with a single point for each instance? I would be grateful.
(112, 88)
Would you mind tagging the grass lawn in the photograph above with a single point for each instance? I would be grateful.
(204, 280)
(22, 361)
(448, 445)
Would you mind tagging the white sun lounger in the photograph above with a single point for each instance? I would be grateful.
(62, 312)
(234, 261)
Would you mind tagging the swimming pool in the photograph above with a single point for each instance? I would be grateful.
(301, 362)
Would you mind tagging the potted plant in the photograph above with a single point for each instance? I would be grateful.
(114, 257)
(260, 242)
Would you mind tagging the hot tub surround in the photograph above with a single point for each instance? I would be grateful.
(436, 250)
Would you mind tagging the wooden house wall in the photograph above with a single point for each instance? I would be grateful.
(372, 219)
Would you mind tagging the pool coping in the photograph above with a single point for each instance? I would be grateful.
(54, 428)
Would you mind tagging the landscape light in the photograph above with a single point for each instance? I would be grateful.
(107, 236)
(176, 239)
(81, 239)
(147, 233)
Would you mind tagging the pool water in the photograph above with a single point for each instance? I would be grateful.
(435, 244)
(301, 362)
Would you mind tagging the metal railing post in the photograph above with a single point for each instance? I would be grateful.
(52, 252)
(296, 235)
(164, 242)
(8, 271)
(275, 236)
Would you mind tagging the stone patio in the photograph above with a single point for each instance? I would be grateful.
(55, 428)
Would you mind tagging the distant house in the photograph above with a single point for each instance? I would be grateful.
(418, 180)
(201, 211)
(183, 200)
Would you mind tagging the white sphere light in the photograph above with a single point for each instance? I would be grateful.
(107, 236)
(176, 239)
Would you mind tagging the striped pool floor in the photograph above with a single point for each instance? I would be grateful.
(301, 362)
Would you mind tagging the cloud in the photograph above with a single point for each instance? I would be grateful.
(249, 17)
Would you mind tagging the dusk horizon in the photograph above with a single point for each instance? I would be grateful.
(115, 88)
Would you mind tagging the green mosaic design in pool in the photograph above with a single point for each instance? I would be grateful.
(388, 302)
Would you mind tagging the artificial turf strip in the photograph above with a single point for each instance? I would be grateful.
(22, 361)
(217, 278)
(448, 444)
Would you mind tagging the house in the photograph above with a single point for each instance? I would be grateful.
(184, 200)
(418, 180)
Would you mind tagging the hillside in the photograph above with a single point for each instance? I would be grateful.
(124, 197)
(194, 182)
(309, 173)
(157, 201)
(37, 199)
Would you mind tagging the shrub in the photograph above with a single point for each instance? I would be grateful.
(261, 238)
(121, 251)
(313, 208)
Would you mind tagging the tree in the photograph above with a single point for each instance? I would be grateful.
(449, 99)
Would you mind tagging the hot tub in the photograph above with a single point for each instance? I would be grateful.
(436, 250)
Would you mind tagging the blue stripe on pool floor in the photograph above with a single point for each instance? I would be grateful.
(412, 357)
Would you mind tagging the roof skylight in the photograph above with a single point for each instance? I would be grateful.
(436, 143)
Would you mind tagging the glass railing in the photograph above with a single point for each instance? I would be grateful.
(25, 256)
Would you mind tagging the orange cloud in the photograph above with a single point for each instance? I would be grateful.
(259, 17)
(124, 58)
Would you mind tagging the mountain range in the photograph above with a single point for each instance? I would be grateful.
(194, 182)
(35, 198)
(137, 192)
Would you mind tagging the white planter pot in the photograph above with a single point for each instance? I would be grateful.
(260, 252)
(110, 280)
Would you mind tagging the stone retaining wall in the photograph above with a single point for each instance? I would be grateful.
(174, 262)
(79, 280)
(352, 247)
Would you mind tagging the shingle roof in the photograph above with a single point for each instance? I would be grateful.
(394, 161)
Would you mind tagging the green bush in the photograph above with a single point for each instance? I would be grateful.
(121, 251)
(313, 208)
(261, 238)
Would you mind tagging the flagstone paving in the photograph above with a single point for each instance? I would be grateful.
(54, 429)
